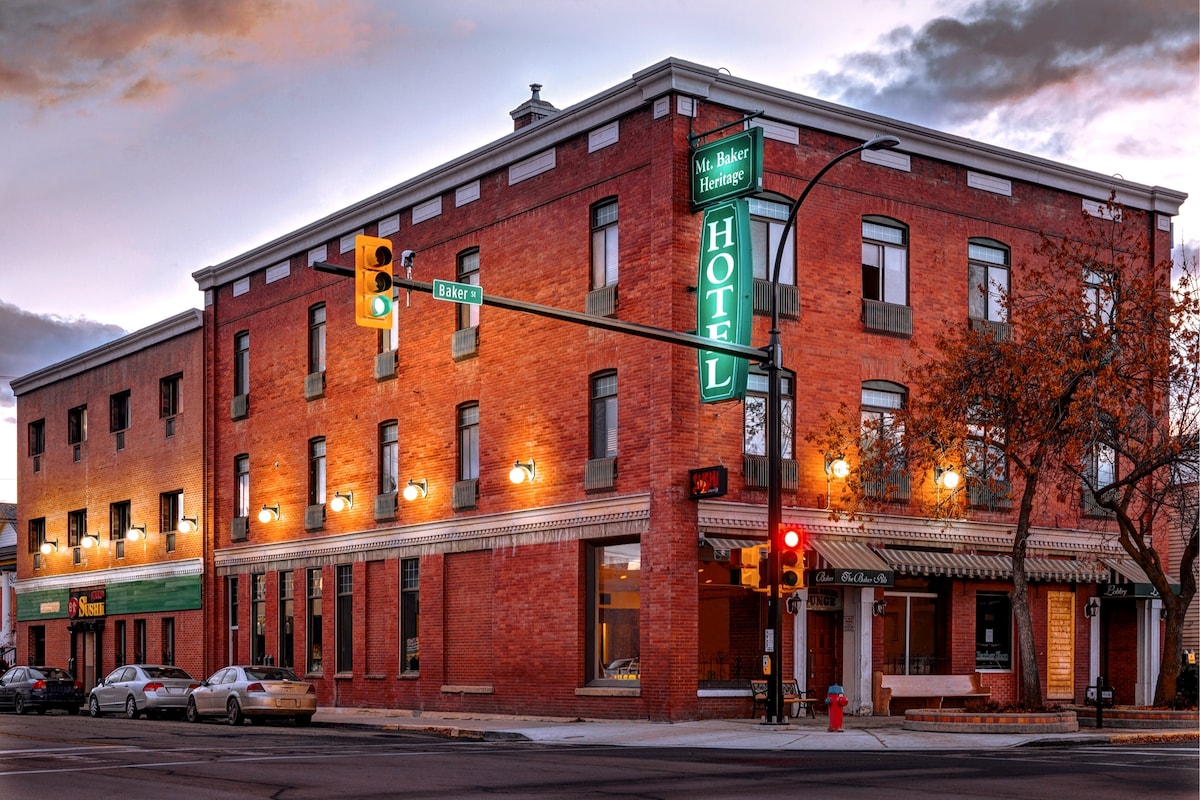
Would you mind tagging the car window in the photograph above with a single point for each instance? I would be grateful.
(271, 674)
(54, 673)
(167, 672)
(231, 676)
(11, 675)
(217, 676)
(114, 676)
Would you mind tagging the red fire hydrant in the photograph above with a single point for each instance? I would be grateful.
(836, 702)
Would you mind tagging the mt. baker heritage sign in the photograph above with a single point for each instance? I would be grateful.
(727, 168)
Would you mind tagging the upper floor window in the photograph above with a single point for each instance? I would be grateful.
(468, 272)
(316, 471)
(468, 442)
(389, 457)
(120, 413)
(604, 244)
(987, 280)
(767, 218)
(1098, 296)
(170, 515)
(168, 395)
(37, 535)
(882, 432)
(755, 423)
(604, 416)
(884, 261)
(241, 486)
(76, 526)
(77, 425)
(316, 338)
(120, 518)
(241, 363)
(37, 437)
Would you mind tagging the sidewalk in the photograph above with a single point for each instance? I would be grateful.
(861, 733)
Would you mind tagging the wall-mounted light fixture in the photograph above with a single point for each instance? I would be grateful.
(341, 501)
(188, 525)
(88, 541)
(1092, 608)
(947, 477)
(836, 466)
(269, 513)
(416, 489)
(135, 532)
(49, 546)
(878, 608)
(522, 471)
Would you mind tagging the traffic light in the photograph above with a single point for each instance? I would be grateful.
(791, 559)
(373, 282)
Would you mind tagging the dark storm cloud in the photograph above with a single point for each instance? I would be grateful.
(1090, 55)
(29, 342)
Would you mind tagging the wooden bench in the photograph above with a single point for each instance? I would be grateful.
(936, 690)
(798, 701)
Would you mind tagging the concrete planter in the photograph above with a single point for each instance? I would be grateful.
(950, 720)
(1140, 717)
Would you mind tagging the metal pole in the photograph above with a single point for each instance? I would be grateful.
(774, 368)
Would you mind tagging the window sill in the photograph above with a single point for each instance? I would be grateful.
(608, 691)
(461, 689)
(343, 676)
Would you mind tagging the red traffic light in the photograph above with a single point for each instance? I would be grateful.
(791, 538)
(791, 558)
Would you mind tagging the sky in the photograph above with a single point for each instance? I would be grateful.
(142, 140)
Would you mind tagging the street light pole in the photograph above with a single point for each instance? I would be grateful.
(773, 364)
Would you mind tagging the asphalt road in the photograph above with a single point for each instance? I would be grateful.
(57, 756)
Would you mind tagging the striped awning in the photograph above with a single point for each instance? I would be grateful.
(996, 567)
(721, 543)
(847, 563)
(1129, 579)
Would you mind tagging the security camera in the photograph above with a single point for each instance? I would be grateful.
(406, 258)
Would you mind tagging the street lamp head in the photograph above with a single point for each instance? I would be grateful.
(880, 142)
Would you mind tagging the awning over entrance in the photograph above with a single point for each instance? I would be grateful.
(968, 565)
(846, 563)
(1130, 580)
(721, 543)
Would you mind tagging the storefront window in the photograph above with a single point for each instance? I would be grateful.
(730, 631)
(993, 631)
(910, 634)
(615, 601)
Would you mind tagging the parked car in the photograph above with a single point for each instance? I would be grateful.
(239, 693)
(137, 689)
(40, 689)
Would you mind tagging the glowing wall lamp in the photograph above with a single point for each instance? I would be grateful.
(341, 501)
(188, 525)
(948, 478)
(49, 546)
(837, 466)
(88, 541)
(269, 513)
(416, 489)
(522, 471)
(136, 532)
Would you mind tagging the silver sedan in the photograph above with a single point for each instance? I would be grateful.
(238, 693)
(137, 689)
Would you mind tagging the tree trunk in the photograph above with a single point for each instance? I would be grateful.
(1031, 679)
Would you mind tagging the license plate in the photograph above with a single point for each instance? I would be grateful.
(285, 703)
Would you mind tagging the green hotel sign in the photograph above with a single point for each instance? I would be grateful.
(727, 168)
(724, 298)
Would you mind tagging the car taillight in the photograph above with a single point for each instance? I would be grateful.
(311, 689)
(39, 684)
(153, 686)
(79, 685)
(255, 687)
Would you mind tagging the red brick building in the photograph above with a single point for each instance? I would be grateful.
(360, 517)
(107, 572)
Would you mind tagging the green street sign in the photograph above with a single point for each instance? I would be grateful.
(458, 292)
(724, 298)
(727, 168)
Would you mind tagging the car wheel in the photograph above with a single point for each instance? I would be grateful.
(233, 712)
(131, 709)
(94, 706)
(303, 721)
(19, 704)
(192, 713)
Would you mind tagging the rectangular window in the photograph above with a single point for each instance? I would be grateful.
(604, 245)
(987, 281)
(389, 457)
(36, 535)
(258, 618)
(139, 641)
(767, 218)
(316, 472)
(168, 395)
(316, 339)
(170, 514)
(76, 526)
(614, 613)
(37, 437)
(241, 486)
(755, 410)
(119, 412)
(468, 272)
(37, 644)
(120, 518)
(882, 432)
(468, 442)
(885, 262)
(604, 416)
(993, 631)
(77, 425)
(241, 364)
(287, 621)
(410, 614)
(1098, 294)
(119, 643)
(234, 617)
(168, 640)
(345, 618)
(314, 621)
(911, 634)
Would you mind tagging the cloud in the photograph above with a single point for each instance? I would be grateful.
(29, 342)
(1069, 59)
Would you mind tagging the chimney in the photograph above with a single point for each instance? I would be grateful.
(531, 110)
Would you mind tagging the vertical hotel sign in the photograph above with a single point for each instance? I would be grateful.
(724, 305)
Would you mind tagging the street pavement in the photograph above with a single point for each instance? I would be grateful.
(859, 733)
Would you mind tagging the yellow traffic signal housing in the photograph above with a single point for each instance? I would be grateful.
(791, 559)
(373, 282)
